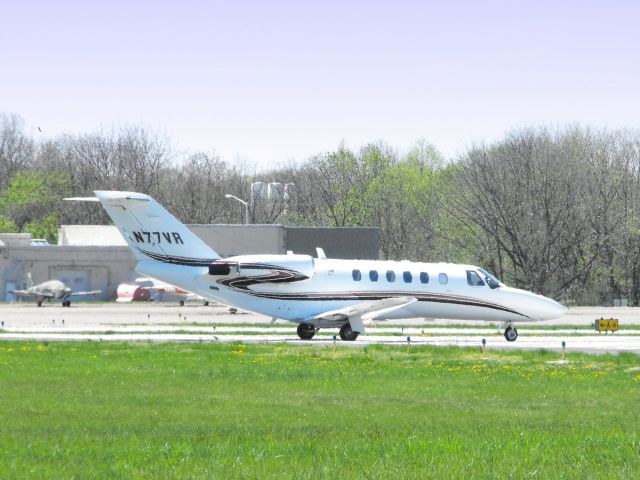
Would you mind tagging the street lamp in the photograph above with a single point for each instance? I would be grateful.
(246, 206)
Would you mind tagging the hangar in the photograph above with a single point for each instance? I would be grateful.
(96, 257)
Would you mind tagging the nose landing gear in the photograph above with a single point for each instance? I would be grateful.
(510, 333)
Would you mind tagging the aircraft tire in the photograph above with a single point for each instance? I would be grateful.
(206, 304)
(347, 334)
(511, 334)
(181, 303)
(66, 303)
(306, 331)
(39, 303)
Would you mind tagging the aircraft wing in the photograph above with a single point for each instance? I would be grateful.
(360, 312)
(30, 293)
(92, 292)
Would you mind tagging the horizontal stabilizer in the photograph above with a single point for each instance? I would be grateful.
(31, 293)
(82, 199)
(114, 200)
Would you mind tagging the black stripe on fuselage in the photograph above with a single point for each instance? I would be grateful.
(205, 262)
(177, 260)
(274, 276)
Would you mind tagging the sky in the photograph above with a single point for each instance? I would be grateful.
(267, 82)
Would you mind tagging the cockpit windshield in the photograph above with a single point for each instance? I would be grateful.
(492, 281)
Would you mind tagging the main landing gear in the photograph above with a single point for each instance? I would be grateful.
(347, 334)
(510, 333)
(306, 331)
(66, 303)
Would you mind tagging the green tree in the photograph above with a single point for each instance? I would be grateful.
(427, 155)
(46, 228)
(7, 226)
(457, 239)
(32, 200)
(396, 201)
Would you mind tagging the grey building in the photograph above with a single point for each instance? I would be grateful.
(347, 243)
(81, 267)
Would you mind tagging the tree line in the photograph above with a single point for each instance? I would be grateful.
(556, 210)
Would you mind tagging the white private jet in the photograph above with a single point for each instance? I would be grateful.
(316, 292)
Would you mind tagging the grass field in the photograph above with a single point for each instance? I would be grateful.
(110, 410)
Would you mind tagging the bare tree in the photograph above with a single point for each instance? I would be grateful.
(545, 200)
(16, 149)
(196, 190)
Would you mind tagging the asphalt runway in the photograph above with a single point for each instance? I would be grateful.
(167, 322)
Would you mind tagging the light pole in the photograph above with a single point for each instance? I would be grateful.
(246, 206)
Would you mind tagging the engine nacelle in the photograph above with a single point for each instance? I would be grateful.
(253, 265)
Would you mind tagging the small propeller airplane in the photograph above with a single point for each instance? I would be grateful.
(158, 289)
(49, 290)
(317, 292)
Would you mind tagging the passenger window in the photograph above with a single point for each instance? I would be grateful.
(443, 278)
(424, 277)
(407, 277)
(474, 279)
(373, 275)
(391, 276)
(356, 275)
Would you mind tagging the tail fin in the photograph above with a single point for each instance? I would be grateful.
(152, 232)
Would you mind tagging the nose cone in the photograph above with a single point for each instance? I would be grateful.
(552, 310)
(544, 308)
(533, 306)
